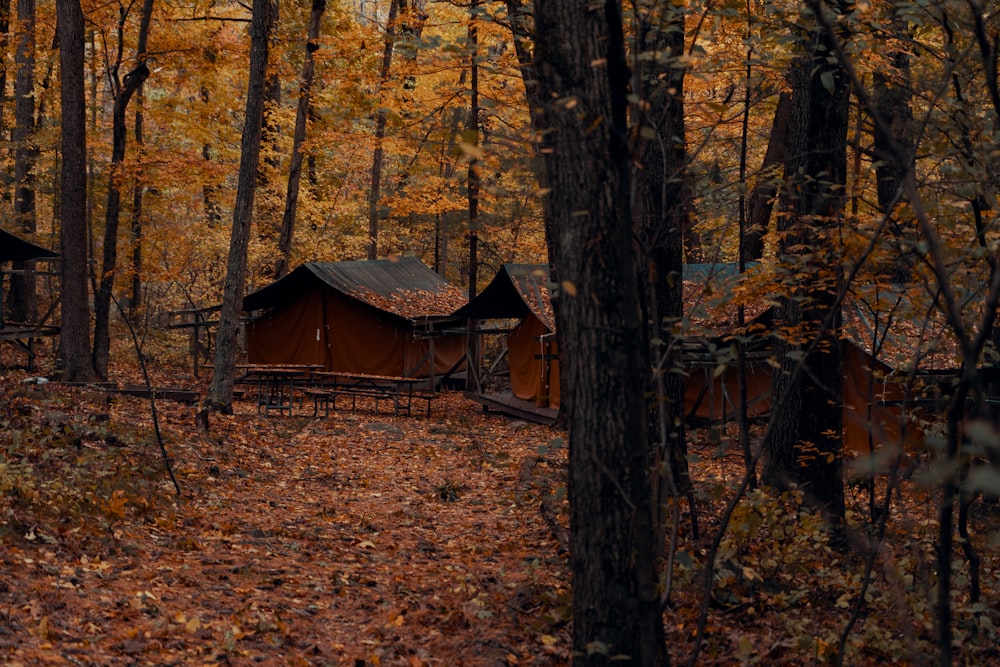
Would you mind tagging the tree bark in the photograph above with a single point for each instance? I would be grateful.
(112, 212)
(375, 187)
(220, 391)
(298, 139)
(661, 216)
(75, 326)
(765, 190)
(804, 444)
(892, 97)
(142, 53)
(581, 69)
(23, 292)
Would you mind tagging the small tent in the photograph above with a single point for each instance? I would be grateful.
(519, 292)
(377, 317)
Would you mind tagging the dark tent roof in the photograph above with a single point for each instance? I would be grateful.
(404, 287)
(521, 288)
(515, 290)
(16, 249)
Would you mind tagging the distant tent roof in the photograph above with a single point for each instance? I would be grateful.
(16, 249)
(404, 287)
(521, 288)
(713, 271)
(515, 290)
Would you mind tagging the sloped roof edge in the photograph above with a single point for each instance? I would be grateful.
(515, 290)
(404, 287)
(15, 249)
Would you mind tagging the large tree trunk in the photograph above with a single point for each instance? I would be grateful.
(660, 219)
(23, 297)
(892, 97)
(804, 443)
(220, 392)
(75, 333)
(580, 64)
(298, 139)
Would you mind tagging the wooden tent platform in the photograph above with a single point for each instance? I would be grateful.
(510, 405)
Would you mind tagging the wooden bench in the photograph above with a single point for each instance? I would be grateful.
(401, 401)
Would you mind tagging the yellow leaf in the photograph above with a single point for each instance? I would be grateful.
(549, 640)
(193, 625)
(43, 628)
(569, 288)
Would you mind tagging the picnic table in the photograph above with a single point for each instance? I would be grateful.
(276, 383)
(399, 392)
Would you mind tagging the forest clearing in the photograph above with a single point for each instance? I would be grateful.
(370, 539)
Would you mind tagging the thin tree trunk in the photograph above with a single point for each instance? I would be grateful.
(142, 51)
(112, 214)
(295, 164)
(137, 193)
(220, 392)
(4, 42)
(374, 190)
(23, 296)
(75, 326)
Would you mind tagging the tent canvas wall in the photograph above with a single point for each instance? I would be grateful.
(872, 411)
(377, 317)
(520, 292)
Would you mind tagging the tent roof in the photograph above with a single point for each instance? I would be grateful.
(518, 289)
(404, 287)
(16, 249)
(515, 291)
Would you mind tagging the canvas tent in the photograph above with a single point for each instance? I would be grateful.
(377, 317)
(519, 292)
(871, 401)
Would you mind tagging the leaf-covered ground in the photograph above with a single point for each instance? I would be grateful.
(367, 539)
(361, 539)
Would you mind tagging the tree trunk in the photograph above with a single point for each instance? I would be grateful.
(374, 190)
(112, 212)
(142, 51)
(4, 43)
(580, 64)
(892, 97)
(137, 194)
(765, 190)
(804, 442)
(23, 297)
(220, 392)
(75, 332)
(660, 219)
(298, 139)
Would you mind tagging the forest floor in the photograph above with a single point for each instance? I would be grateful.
(369, 539)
